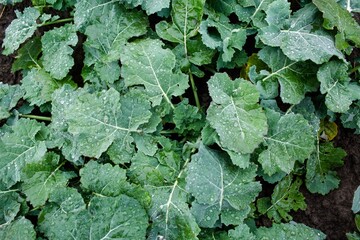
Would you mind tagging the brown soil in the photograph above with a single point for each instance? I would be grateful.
(331, 213)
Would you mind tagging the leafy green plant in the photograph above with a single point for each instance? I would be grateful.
(161, 138)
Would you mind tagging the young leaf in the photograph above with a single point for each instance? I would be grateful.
(335, 82)
(186, 17)
(9, 96)
(27, 56)
(340, 18)
(290, 139)
(320, 168)
(107, 37)
(97, 120)
(20, 29)
(298, 40)
(285, 198)
(235, 113)
(18, 148)
(292, 230)
(147, 63)
(41, 178)
(19, 229)
(295, 78)
(57, 42)
(220, 188)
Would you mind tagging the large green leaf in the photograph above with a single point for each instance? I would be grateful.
(293, 231)
(41, 178)
(150, 6)
(295, 78)
(9, 96)
(20, 29)
(285, 198)
(147, 63)
(235, 113)
(97, 120)
(27, 56)
(290, 139)
(106, 38)
(335, 83)
(350, 5)
(340, 18)
(253, 11)
(298, 39)
(57, 42)
(220, 188)
(19, 147)
(21, 229)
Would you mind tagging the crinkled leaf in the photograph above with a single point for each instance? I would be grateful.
(186, 16)
(220, 188)
(27, 56)
(18, 148)
(292, 230)
(39, 86)
(19, 229)
(253, 10)
(235, 113)
(298, 39)
(97, 120)
(290, 139)
(351, 118)
(43, 177)
(285, 198)
(340, 18)
(241, 232)
(20, 29)
(9, 206)
(335, 83)
(106, 38)
(150, 6)
(109, 181)
(321, 176)
(295, 78)
(9, 96)
(224, 36)
(57, 51)
(188, 119)
(356, 201)
(147, 63)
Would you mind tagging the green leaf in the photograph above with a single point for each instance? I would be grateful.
(19, 147)
(350, 5)
(150, 6)
(217, 32)
(43, 177)
(294, 231)
(295, 78)
(335, 83)
(9, 206)
(20, 29)
(235, 113)
(27, 55)
(9, 96)
(39, 86)
(188, 119)
(241, 232)
(21, 229)
(147, 63)
(107, 37)
(109, 181)
(321, 176)
(290, 139)
(186, 16)
(97, 120)
(340, 18)
(220, 188)
(285, 198)
(351, 118)
(298, 39)
(356, 201)
(253, 10)
(57, 42)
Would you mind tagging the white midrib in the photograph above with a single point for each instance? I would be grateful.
(278, 71)
(157, 80)
(238, 119)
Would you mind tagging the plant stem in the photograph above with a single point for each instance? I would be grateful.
(354, 69)
(42, 118)
(194, 89)
(57, 21)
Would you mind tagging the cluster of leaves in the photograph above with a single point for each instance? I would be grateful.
(134, 151)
